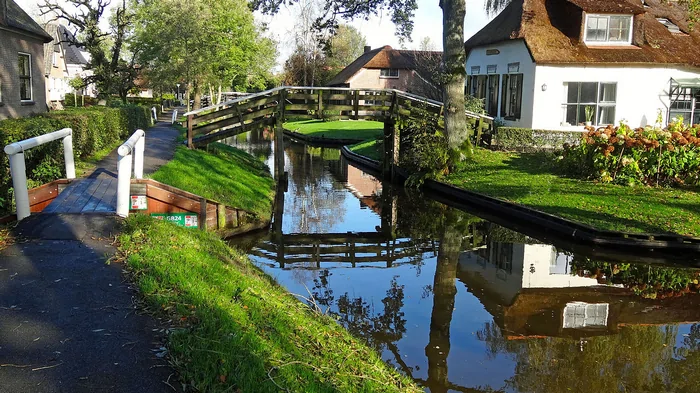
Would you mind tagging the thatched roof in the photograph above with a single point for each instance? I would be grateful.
(12, 17)
(552, 31)
(387, 57)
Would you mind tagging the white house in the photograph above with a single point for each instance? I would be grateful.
(557, 64)
(63, 62)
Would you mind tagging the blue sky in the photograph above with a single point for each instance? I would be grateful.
(378, 31)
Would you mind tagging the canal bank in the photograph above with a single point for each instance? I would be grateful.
(459, 303)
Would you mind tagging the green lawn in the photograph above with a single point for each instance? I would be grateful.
(368, 149)
(528, 179)
(224, 174)
(347, 129)
(242, 332)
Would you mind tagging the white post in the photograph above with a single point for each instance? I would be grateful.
(155, 115)
(138, 157)
(174, 116)
(19, 182)
(123, 184)
(68, 156)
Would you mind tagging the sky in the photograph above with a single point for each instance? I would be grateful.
(378, 31)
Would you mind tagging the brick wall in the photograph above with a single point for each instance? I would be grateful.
(11, 44)
(407, 81)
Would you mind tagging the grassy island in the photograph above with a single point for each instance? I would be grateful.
(346, 129)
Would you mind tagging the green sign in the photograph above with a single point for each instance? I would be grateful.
(188, 220)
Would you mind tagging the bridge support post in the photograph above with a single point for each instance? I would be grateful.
(190, 119)
(391, 149)
(279, 137)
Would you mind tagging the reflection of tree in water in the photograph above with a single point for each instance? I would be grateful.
(316, 204)
(256, 143)
(637, 359)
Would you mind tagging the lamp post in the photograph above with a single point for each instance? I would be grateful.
(178, 93)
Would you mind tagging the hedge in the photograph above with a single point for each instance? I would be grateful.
(526, 139)
(93, 129)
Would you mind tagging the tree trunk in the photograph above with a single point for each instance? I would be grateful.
(197, 97)
(454, 61)
(218, 98)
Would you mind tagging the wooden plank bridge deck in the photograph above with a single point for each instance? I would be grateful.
(95, 194)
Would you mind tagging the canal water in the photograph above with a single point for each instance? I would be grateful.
(461, 304)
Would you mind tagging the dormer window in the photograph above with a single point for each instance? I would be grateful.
(608, 29)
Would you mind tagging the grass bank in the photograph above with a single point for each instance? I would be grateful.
(530, 179)
(368, 149)
(224, 174)
(243, 332)
(346, 129)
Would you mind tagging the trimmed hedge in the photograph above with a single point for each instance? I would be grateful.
(526, 139)
(93, 129)
(69, 100)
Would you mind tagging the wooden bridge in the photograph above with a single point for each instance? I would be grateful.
(264, 109)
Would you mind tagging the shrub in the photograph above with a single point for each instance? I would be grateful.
(526, 139)
(651, 156)
(69, 100)
(423, 147)
(93, 129)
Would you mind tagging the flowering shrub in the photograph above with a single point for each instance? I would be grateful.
(651, 156)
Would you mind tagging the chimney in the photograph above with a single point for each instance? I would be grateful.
(367, 47)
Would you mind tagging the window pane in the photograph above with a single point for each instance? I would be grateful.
(606, 115)
(23, 65)
(571, 114)
(589, 92)
(597, 28)
(572, 92)
(25, 89)
(608, 92)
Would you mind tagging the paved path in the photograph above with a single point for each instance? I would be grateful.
(98, 192)
(68, 322)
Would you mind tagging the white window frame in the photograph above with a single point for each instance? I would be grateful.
(31, 82)
(389, 71)
(607, 42)
(597, 104)
(572, 323)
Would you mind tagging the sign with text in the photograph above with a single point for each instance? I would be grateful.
(187, 220)
(139, 202)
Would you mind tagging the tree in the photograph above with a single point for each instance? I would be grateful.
(111, 73)
(344, 47)
(202, 44)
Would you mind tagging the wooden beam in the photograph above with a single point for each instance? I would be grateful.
(190, 118)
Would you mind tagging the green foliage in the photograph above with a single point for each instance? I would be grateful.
(243, 332)
(526, 139)
(93, 129)
(423, 147)
(69, 100)
(473, 104)
(649, 156)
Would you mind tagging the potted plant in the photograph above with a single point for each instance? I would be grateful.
(589, 115)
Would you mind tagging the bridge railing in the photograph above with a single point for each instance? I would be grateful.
(18, 169)
(241, 114)
(131, 150)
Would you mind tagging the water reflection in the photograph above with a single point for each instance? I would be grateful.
(461, 304)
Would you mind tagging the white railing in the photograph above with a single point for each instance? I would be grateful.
(18, 170)
(133, 147)
(172, 121)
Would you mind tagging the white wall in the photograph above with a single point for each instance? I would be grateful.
(510, 52)
(641, 91)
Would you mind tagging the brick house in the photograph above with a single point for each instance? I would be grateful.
(22, 40)
(387, 68)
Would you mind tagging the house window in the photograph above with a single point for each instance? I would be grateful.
(491, 104)
(512, 96)
(579, 315)
(685, 103)
(389, 73)
(25, 77)
(589, 102)
(608, 29)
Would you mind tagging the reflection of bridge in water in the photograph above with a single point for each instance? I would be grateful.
(352, 248)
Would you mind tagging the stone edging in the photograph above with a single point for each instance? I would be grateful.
(555, 226)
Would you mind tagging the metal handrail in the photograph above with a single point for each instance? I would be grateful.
(18, 169)
(133, 147)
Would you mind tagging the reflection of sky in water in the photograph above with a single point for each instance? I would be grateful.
(324, 197)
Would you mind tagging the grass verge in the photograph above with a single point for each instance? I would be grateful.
(347, 129)
(243, 331)
(369, 149)
(530, 179)
(85, 166)
(224, 174)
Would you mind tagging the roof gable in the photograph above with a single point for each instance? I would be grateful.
(386, 57)
(16, 19)
(551, 30)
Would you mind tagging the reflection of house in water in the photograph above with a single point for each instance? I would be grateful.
(361, 184)
(530, 291)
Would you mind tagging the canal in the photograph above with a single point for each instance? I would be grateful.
(461, 304)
